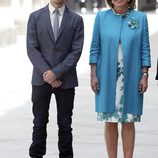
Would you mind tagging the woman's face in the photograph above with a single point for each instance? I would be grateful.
(120, 3)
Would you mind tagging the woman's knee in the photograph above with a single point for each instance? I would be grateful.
(110, 125)
(128, 125)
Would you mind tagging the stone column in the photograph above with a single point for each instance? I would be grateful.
(144, 5)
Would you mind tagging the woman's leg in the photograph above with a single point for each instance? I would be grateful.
(111, 138)
(128, 139)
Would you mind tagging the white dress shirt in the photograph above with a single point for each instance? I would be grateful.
(52, 14)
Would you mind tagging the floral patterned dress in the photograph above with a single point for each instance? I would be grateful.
(118, 115)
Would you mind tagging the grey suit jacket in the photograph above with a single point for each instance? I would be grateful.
(60, 56)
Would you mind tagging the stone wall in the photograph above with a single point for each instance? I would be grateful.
(146, 5)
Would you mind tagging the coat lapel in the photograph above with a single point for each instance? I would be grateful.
(48, 24)
(63, 23)
(62, 26)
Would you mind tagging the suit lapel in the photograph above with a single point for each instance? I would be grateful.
(63, 23)
(62, 26)
(48, 23)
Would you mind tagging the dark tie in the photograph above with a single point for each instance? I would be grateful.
(56, 23)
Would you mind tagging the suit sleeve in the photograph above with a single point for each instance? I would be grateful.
(95, 44)
(145, 53)
(33, 48)
(157, 71)
(73, 56)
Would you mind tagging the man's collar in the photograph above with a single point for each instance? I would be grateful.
(52, 9)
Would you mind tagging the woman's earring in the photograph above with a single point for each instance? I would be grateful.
(129, 1)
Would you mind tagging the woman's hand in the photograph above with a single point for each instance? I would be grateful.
(143, 85)
(94, 84)
(94, 79)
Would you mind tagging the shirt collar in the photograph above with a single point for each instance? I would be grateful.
(52, 8)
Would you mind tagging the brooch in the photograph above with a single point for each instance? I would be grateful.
(133, 24)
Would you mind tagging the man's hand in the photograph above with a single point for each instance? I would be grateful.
(49, 76)
(56, 84)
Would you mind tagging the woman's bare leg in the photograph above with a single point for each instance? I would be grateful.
(111, 139)
(128, 139)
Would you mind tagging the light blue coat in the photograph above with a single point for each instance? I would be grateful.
(109, 29)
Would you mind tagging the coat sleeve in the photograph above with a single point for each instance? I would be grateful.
(73, 56)
(95, 44)
(33, 47)
(145, 53)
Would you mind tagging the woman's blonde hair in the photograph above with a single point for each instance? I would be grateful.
(131, 4)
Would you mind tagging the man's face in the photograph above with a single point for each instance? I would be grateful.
(58, 1)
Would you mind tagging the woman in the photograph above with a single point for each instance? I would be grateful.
(119, 59)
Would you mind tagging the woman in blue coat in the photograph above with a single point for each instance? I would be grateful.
(119, 59)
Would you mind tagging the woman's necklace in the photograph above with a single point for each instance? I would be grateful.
(122, 14)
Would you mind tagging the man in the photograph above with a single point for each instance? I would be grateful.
(157, 72)
(54, 45)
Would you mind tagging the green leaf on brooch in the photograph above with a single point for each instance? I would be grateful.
(133, 23)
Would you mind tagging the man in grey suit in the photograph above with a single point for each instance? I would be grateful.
(54, 44)
(157, 71)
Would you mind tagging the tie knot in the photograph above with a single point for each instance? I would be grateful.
(56, 11)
